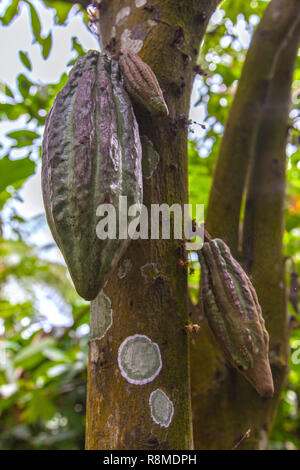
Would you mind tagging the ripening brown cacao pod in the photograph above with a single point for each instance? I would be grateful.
(91, 155)
(234, 315)
(141, 83)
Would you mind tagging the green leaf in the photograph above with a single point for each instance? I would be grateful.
(39, 407)
(15, 170)
(25, 59)
(33, 349)
(62, 10)
(24, 85)
(76, 46)
(23, 134)
(12, 111)
(10, 13)
(8, 310)
(6, 90)
(35, 21)
(46, 44)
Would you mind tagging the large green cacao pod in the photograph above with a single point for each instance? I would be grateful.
(91, 155)
(234, 315)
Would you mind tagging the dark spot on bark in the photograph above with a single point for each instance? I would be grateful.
(131, 303)
(177, 89)
(185, 59)
(199, 18)
(198, 70)
(111, 46)
(178, 37)
(179, 122)
(152, 442)
(149, 8)
(218, 374)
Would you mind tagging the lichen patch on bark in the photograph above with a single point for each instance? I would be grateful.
(101, 316)
(140, 3)
(139, 359)
(129, 44)
(162, 409)
(122, 15)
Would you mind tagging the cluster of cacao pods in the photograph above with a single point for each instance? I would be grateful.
(92, 155)
(234, 315)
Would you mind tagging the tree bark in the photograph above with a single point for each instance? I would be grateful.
(221, 397)
(148, 292)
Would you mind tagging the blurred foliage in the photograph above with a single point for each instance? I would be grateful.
(42, 366)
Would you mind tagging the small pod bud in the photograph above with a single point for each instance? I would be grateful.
(141, 83)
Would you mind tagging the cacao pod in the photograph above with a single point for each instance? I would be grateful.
(234, 315)
(141, 83)
(91, 155)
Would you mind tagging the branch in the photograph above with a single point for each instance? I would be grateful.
(243, 120)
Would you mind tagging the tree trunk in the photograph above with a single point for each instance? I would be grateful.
(144, 305)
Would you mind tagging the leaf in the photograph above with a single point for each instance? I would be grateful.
(12, 111)
(32, 350)
(23, 134)
(12, 171)
(35, 21)
(8, 310)
(76, 46)
(23, 138)
(25, 59)
(46, 44)
(39, 407)
(24, 85)
(6, 90)
(10, 13)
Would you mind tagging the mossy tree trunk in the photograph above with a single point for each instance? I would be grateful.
(253, 148)
(147, 295)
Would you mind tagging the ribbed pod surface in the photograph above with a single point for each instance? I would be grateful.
(234, 314)
(91, 155)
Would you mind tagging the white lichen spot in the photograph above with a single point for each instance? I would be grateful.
(128, 44)
(162, 409)
(152, 22)
(139, 359)
(121, 15)
(140, 3)
(101, 316)
(150, 271)
(124, 268)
